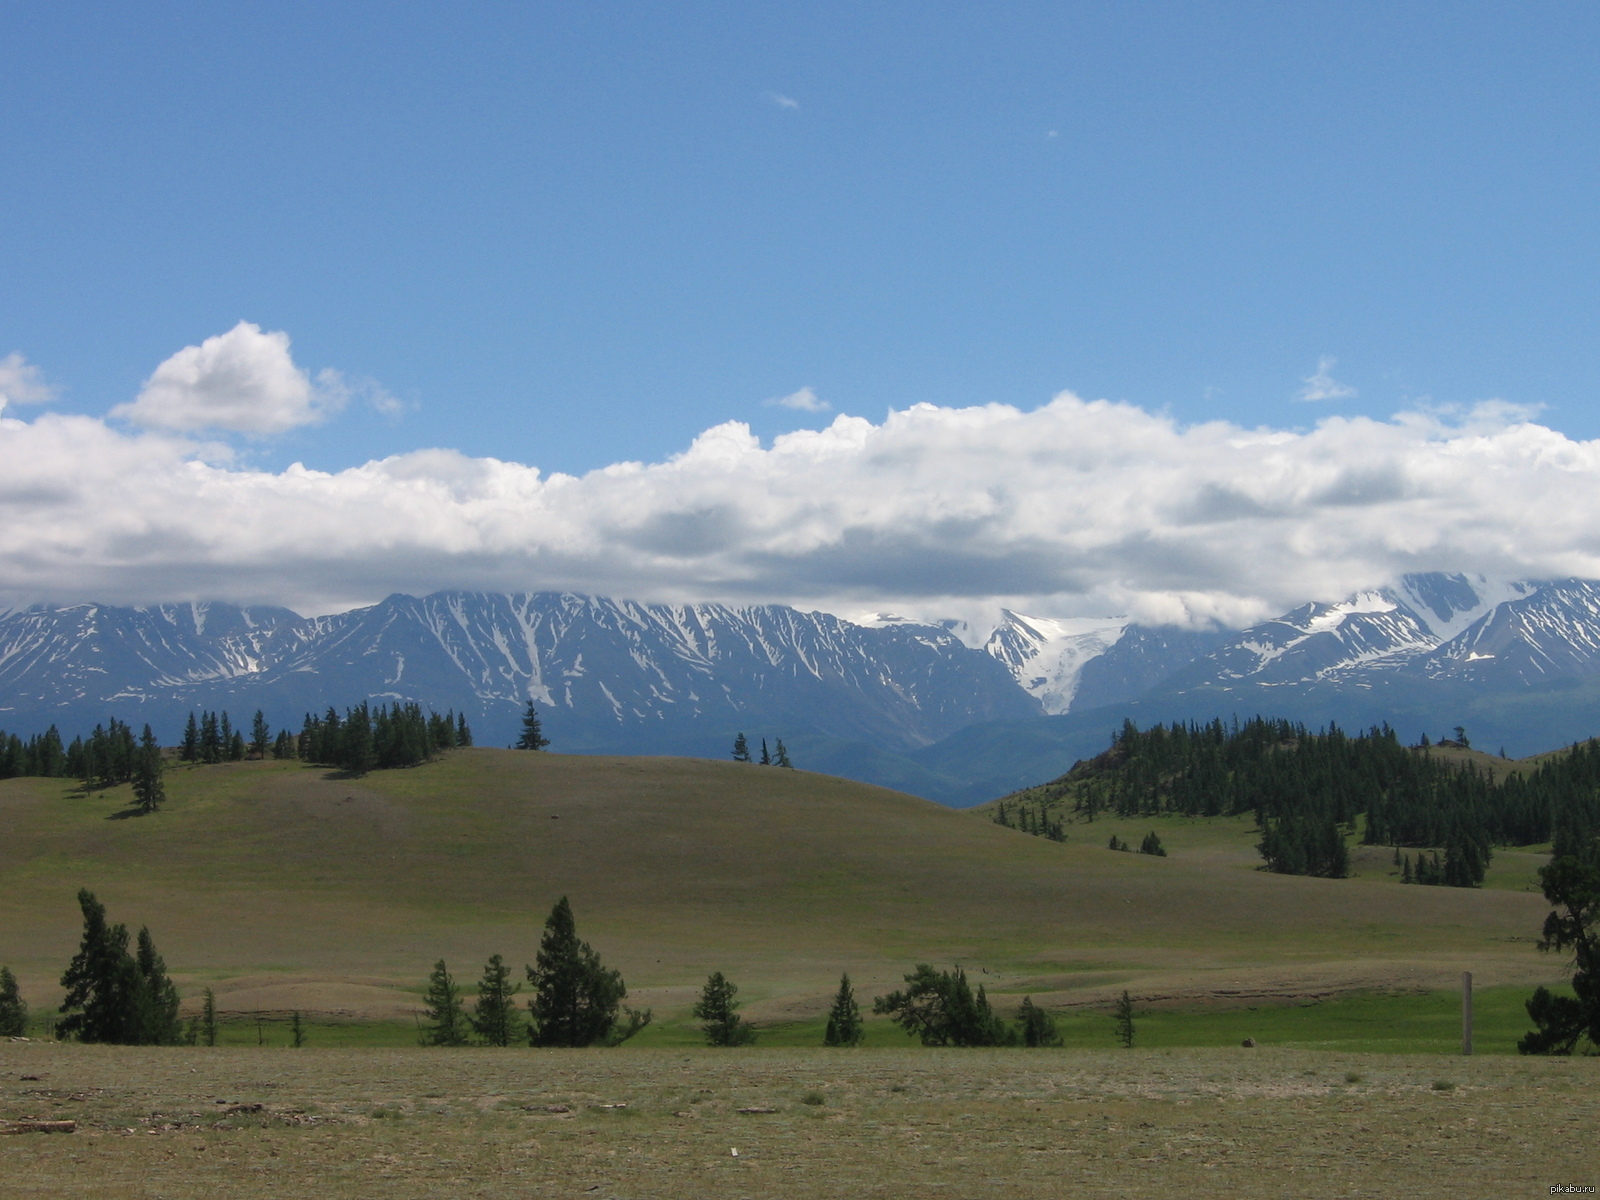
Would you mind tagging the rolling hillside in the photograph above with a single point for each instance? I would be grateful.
(290, 886)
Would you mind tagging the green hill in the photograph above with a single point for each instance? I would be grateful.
(288, 886)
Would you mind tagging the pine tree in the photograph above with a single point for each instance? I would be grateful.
(463, 734)
(157, 998)
(766, 759)
(845, 1027)
(260, 735)
(1152, 845)
(190, 750)
(495, 1018)
(1038, 1027)
(208, 1017)
(100, 981)
(716, 1007)
(442, 1004)
(782, 756)
(297, 1033)
(210, 739)
(1122, 1015)
(741, 749)
(532, 735)
(575, 996)
(148, 790)
(13, 1009)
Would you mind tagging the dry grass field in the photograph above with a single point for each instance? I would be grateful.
(290, 887)
(185, 1124)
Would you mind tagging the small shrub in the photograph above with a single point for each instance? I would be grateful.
(1352, 1077)
(1443, 1085)
(813, 1098)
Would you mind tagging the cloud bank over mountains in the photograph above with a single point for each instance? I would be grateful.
(1075, 508)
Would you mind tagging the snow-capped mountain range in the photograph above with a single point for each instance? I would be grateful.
(880, 698)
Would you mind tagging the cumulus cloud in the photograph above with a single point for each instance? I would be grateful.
(242, 381)
(805, 400)
(1322, 385)
(1074, 508)
(22, 383)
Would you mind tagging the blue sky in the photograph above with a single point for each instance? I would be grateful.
(573, 235)
(576, 234)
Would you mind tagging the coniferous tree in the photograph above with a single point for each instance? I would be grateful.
(940, 1008)
(260, 735)
(359, 756)
(1571, 882)
(100, 981)
(845, 1027)
(495, 1018)
(157, 997)
(1037, 1026)
(297, 1033)
(1122, 1016)
(717, 1011)
(575, 996)
(13, 1009)
(1152, 845)
(532, 734)
(208, 1018)
(463, 734)
(446, 1024)
(781, 758)
(766, 759)
(113, 996)
(148, 790)
(189, 751)
(210, 738)
(283, 746)
(741, 749)
(225, 738)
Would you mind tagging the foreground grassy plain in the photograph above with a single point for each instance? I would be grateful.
(184, 1123)
(290, 887)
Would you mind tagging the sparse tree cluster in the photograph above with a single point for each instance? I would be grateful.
(1030, 818)
(368, 738)
(211, 739)
(113, 995)
(941, 1009)
(576, 999)
(717, 1010)
(769, 758)
(1306, 790)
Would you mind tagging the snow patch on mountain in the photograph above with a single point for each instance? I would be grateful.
(1046, 655)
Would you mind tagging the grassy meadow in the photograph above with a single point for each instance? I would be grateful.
(290, 887)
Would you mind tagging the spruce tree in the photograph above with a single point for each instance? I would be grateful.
(1122, 1015)
(1038, 1027)
(13, 1009)
(297, 1033)
(782, 757)
(260, 735)
(157, 999)
(715, 1009)
(446, 1025)
(494, 1017)
(208, 1017)
(463, 734)
(532, 734)
(741, 749)
(845, 1027)
(575, 996)
(189, 751)
(148, 790)
(100, 981)
(766, 759)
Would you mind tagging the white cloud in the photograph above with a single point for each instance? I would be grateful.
(805, 400)
(1074, 508)
(242, 381)
(1322, 385)
(782, 101)
(21, 382)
